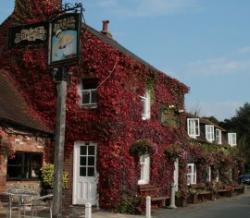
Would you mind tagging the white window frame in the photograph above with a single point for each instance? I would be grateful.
(218, 136)
(81, 90)
(192, 174)
(193, 127)
(232, 138)
(145, 169)
(146, 104)
(209, 129)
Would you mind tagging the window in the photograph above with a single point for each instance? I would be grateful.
(88, 93)
(193, 126)
(209, 133)
(24, 166)
(88, 160)
(145, 169)
(218, 136)
(232, 139)
(209, 174)
(191, 174)
(146, 106)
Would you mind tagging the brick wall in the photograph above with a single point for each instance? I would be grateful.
(24, 143)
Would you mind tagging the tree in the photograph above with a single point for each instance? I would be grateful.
(240, 123)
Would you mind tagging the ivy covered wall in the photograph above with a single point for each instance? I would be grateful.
(116, 123)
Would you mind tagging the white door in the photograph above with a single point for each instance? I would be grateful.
(85, 174)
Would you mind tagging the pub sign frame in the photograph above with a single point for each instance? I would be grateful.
(64, 40)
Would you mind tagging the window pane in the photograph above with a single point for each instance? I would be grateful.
(91, 171)
(85, 97)
(91, 150)
(83, 161)
(17, 160)
(14, 172)
(35, 165)
(94, 98)
(83, 150)
(91, 161)
(82, 171)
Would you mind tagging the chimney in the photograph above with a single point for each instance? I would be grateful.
(36, 10)
(105, 28)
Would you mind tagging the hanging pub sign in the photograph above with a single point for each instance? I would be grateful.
(64, 36)
(28, 35)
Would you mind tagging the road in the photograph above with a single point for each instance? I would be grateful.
(235, 207)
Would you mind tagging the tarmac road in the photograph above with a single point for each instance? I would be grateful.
(235, 207)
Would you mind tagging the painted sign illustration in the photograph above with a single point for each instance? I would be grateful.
(64, 39)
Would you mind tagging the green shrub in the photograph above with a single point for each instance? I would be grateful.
(47, 176)
(130, 205)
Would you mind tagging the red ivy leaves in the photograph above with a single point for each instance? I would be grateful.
(116, 123)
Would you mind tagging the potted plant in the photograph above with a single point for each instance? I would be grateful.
(141, 147)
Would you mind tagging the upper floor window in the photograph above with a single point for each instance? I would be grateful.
(146, 104)
(191, 174)
(88, 93)
(209, 133)
(193, 126)
(232, 139)
(218, 136)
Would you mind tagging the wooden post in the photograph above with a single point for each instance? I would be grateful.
(61, 78)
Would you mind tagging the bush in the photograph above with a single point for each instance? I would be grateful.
(47, 177)
(130, 205)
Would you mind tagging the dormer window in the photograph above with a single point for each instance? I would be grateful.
(232, 139)
(193, 126)
(88, 94)
(146, 104)
(218, 136)
(209, 133)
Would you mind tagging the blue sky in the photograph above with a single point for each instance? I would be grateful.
(203, 43)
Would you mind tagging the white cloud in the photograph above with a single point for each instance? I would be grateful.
(244, 50)
(163, 7)
(219, 66)
(221, 110)
(107, 3)
(145, 8)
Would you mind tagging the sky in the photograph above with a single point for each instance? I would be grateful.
(203, 43)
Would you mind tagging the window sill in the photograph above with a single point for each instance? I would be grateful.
(88, 106)
(22, 180)
(143, 182)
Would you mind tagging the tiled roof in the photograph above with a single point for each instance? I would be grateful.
(14, 109)
(208, 122)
